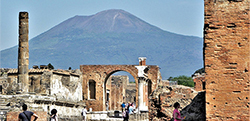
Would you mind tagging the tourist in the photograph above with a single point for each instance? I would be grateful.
(123, 106)
(131, 108)
(26, 115)
(84, 113)
(176, 113)
(53, 116)
(133, 105)
(107, 105)
(125, 114)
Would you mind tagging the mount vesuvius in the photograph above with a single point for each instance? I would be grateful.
(111, 37)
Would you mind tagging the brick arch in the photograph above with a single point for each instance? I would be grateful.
(128, 68)
(100, 73)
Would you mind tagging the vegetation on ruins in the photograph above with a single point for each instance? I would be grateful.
(183, 80)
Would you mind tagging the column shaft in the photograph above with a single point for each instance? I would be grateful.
(23, 53)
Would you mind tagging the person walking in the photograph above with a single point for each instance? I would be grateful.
(84, 113)
(53, 116)
(26, 115)
(125, 115)
(123, 106)
(107, 105)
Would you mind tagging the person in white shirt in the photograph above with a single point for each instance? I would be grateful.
(84, 113)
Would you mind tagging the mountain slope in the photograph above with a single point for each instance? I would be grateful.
(111, 37)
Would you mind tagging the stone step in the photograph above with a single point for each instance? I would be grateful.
(3, 103)
(2, 100)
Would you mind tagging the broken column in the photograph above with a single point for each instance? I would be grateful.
(23, 53)
(142, 77)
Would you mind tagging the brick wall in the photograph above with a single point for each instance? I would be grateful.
(101, 73)
(226, 52)
(199, 83)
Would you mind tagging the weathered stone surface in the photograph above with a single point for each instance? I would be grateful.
(130, 93)
(163, 98)
(117, 95)
(199, 82)
(13, 103)
(23, 55)
(227, 59)
(101, 73)
(196, 110)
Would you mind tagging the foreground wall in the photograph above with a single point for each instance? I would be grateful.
(226, 52)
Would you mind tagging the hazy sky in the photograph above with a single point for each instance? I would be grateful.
(178, 16)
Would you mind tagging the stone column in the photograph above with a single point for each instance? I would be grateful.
(141, 83)
(23, 53)
(141, 95)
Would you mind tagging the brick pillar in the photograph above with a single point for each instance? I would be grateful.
(227, 59)
(142, 61)
(23, 53)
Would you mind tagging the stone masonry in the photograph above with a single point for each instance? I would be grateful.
(163, 98)
(117, 90)
(48, 89)
(101, 73)
(23, 52)
(199, 82)
(226, 59)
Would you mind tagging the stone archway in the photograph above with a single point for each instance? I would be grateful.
(100, 74)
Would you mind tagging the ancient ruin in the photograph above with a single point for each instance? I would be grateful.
(99, 74)
(120, 90)
(227, 60)
(221, 93)
(199, 82)
(23, 52)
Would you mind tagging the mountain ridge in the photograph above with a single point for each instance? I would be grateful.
(76, 42)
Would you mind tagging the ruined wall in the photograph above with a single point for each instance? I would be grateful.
(120, 91)
(66, 87)
(130, 93)
(100, 74)
(43, 105)
(199, 82)
(163, 98)
(226, 53)
(117, 91)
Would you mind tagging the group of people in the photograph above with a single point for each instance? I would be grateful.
(130, 108)
(127, 109)
(27, 115)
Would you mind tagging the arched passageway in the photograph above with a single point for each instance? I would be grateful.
(100, 74)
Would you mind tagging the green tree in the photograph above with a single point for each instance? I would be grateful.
(184, 80)
(170, 78)
(50, 66)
